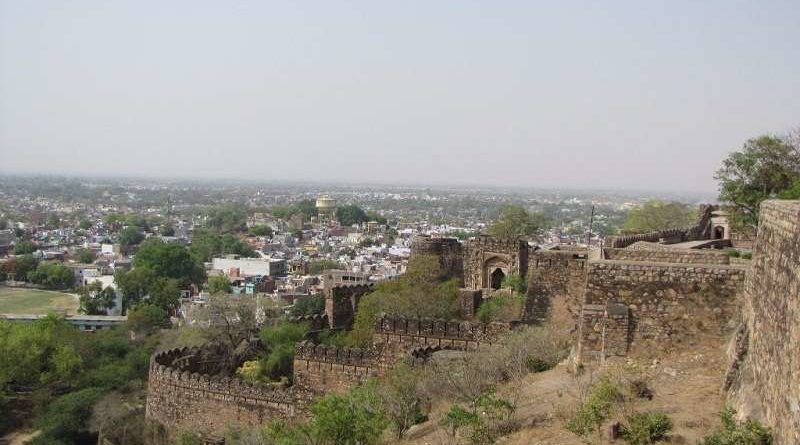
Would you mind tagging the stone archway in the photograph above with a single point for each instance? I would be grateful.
(719, 232)
(496, 279)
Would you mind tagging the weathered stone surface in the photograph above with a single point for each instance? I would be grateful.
(771, 365)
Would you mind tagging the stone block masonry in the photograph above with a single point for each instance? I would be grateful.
(669, 302)
(325, 369)
(668, 255)
(771, 356)
(181, 400)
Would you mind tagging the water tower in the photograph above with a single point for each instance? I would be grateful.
(326, 207)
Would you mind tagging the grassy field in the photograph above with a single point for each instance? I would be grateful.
(33, 301)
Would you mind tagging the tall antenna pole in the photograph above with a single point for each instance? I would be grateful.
(591, 223)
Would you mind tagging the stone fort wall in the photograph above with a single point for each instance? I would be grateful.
(324, 369)
(667, 255)
(395, 337)
(449, 251)
(770, 341)
(662, 303)
(556, 279)
(181, 399)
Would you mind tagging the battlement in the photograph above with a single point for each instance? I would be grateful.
(322, 369)
(558, 258)
(669, 236)
(340, 290)
(486, 242)
(426, 244)
(316, 322)
(181, 399)
(437, 328)
(700, 230)
(306, 350)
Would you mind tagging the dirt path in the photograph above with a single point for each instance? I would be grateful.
(18, 437)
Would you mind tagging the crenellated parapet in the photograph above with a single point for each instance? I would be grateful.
(316, 322)
(438, 328)
(182, 399)
(322, 369)
(700, 230)
(341, 303)
(306, 350)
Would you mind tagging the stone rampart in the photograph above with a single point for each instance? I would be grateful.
(448, 250)
(485, 254)
(668, 302)
(667, 255)
(555, 285)
(699, 231)
(395, 336)
(770, 347)
(341, 303)
(323, 369)
(181, 400)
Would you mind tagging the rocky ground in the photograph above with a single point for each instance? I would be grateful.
(685, 385)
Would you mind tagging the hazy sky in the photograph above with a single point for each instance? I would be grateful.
(635, 94)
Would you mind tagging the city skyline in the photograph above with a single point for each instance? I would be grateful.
(623, 96)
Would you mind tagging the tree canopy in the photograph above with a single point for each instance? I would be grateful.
(515, 221)
(656, 215)
(765, 167)
(417, 293)
(227, 219)
(351, 214)
(206, 244)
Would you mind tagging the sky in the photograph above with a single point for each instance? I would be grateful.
(633, 95)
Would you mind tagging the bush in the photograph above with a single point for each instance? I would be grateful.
(747, 255)
(501, 308)
(646, 428)
(750, 432)
(280, 340)
(733, 253)
(595, 409)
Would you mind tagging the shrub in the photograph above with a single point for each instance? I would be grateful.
(595, 409)
(501, 308)
(747, 256)
(646, 428)
(733, 253)
(750, 432)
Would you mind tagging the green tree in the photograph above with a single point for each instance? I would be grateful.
(147, 318)
(261, 230)
(134, 285)
(131, 236)
(375, 216)
(765, 167)
(417, 293)
(54, 276)
(356, 418)
(351, 214)
(85, 224)
(655, 215)
(24, 247)
(515, 222)
(86, 256)
(314, 304)
(205, 245)
(399, 393)
(167, 230)
(219, 285)
(227, 219)
(280, 341)
(169, 260)
(94, 300)
(165, 293)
